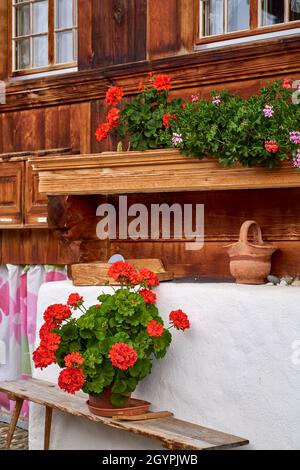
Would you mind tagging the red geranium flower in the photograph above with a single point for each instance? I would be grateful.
(155, 329)
(75, 301)
(122, 356)
(166, 120)
(286, 84)
(71, 380)
(74, 359)
(43, 357)
(149, 296)
(149, 278)
(113, 117)
(51, 341)
(271, 146)
(140, 87)
(123, 272)
(55, 314)
(162, 82)
(102, 131)
(114, 95)
(179, 319)
(45, 330)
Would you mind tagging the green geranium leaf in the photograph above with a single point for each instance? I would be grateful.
(118, 400)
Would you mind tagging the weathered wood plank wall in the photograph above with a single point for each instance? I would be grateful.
(119, 43)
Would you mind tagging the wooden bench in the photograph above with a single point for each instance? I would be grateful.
(172, 433)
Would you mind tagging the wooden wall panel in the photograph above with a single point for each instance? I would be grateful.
(170, 27)
(3, 39)
(37, 246)
(119, 31)
(120, 41)
(85, 46)
(45, 128)
(163, 35)
(275, 210)
(212, 262)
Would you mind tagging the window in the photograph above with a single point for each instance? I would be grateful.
(236, 18)
(44, 34)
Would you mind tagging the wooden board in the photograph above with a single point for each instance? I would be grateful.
(152, 172)
(172, 433)
(95, 274)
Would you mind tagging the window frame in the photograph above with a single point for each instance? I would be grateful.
(255, 28)
(52, 66)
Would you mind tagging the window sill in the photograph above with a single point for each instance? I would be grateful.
(17, 76)
(247, 39)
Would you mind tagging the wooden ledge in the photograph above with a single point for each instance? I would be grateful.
(152, 171)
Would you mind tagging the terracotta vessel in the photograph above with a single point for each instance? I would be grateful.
(250, 263)
(103, 401)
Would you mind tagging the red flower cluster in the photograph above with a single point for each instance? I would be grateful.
(124, 272)
(149, 296)
(149, 278)
(71, 380)
(155, 329)
(74, 359)
(162, 82)
(55, 315)
(114, 95)
(45, 353)
(286, 84)
(113, 117)
(43, 357)
(102, 131)
(166, 120)
(75, 301)
(140, 87)
(179, 319)
(271, 146)
(122, 356)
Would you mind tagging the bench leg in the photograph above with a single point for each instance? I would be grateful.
(13, 422)
(48, 421)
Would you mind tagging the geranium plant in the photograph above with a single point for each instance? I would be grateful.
(146, 118)
(261, 130)
(112, 344)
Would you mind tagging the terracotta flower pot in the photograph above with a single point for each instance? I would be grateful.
(250, 263)
(103, 401)
(102, 406)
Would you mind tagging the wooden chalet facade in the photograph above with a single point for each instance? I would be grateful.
(120, 42)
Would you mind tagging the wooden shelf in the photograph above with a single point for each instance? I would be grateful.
(152, 171)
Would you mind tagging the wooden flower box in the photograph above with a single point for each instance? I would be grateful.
(152, 171)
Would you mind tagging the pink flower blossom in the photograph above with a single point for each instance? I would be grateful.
(268, 111)
(216, 100)
(195, 98)
(177, 139)
(286, 84)
(295, 137)
(296, 160)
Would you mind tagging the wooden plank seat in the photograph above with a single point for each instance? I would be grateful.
(172, 433)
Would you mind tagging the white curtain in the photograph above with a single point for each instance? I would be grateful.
(19, 288)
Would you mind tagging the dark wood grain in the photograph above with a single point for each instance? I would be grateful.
(119, 31)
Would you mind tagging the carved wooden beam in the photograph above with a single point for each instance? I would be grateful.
(268, 59)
